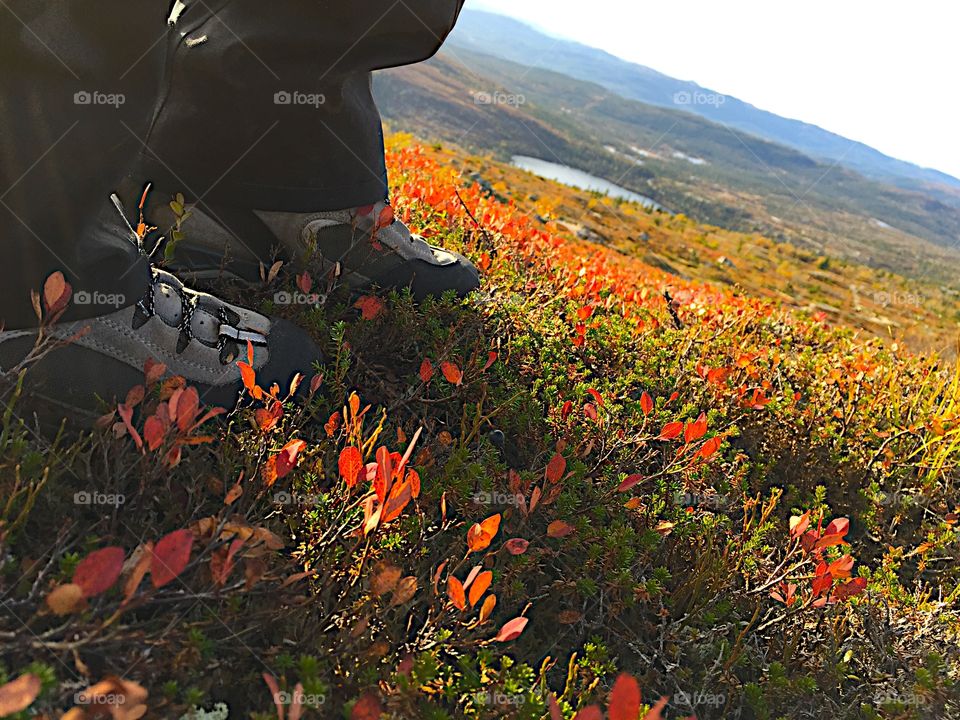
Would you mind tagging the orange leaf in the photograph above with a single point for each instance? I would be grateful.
(19, 694)
(671, 430)
(555, 468)
(426, 370)
(695, 430)
(491, 359)
(139, 570)
(370, 307)
(456, 594)
(452, 373)
(559, 529)
(99, 570)
(56, 292)
(710, 447)
(512, 630)
(480, 586)
(486, 610)
(66, 599)
(350, 465)
(481, 534)
(624, 698)
(170, 557)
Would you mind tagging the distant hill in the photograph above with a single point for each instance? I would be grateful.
(513, 40)
(683, 161)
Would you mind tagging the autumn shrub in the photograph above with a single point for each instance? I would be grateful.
(590, 486)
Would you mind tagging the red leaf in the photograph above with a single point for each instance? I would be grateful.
(566, 410)
(590, 712)
(656, 712)
(512, 630)
(590, 410)
(153, 371)
(221, 562)
(153, 432)
(646, 403)
(491, 359)
(350, 465)
(187, 408)
(370, 307)
(99, 570)
(596, 396)
(671, 430)
(516, 546)
(170, 556)
(452, 373)
(629, 482)
(799, 524)
(368, 707)
(850, 589)
(555, 468)
(695, 430)
(839, 526)
(624, 698)
(286, 459)
(426, 370)
(126, 414)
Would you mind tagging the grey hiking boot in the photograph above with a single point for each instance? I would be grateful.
(195, 335)
(363, 248)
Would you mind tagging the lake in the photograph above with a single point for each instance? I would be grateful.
(580, 179)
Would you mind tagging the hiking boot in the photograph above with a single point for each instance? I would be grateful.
(364, 248)
(194, 334)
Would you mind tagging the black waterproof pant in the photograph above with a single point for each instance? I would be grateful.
(257, 104)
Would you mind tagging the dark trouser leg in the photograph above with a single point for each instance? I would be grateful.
(78, 83)
(269, 104)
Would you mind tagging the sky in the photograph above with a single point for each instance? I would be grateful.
(882, 72)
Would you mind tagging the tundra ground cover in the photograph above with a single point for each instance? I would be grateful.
(591, 486)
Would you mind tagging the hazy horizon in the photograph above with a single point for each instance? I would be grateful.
(835, 68)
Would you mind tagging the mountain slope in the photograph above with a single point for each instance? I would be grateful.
(740, 182)
(515, 41)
